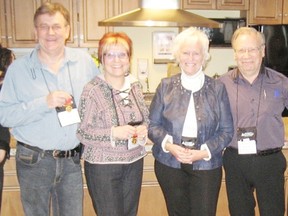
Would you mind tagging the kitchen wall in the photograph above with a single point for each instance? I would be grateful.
(221, 57)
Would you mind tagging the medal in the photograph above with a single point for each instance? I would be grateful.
(134, 139)
(68, 108)
(68, 105)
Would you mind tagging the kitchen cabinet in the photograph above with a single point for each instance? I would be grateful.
(215, 4)
(268, 12)
(11, 201)
(2, 17)
(93, 11)
(151, 199)
(198, 4)
(17, 20)
(152, 202)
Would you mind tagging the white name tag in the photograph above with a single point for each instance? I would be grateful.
(247, 146)
(68, 114)
(68, 117)
(132, 144)
(136, 141)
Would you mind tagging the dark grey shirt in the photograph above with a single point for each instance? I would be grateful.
(4, 137)
(258, 104)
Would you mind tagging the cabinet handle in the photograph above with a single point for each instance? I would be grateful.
(280, 15)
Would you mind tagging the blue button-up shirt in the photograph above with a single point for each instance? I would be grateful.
(23, 105)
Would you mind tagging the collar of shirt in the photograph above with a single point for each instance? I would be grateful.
(124, 91)
(35, 62)
(193, 83)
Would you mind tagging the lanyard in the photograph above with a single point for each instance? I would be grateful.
(69, 75)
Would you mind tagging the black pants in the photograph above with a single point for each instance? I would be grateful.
(1, 183)
(189, 192)
(246, 173)
(114, 188)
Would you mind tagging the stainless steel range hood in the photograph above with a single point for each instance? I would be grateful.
(159, 13)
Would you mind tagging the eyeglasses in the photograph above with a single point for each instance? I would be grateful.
(251, 51)
(46, 28)
(112, 55)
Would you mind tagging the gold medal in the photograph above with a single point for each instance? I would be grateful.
(68, 108)
(134, 139)
(68, 105)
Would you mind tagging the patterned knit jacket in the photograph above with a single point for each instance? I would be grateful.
(102, 107)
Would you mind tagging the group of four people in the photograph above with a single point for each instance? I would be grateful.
(60, 108)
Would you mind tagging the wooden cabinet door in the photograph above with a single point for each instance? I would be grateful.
(84, 14)
(233, 4)
(90, 13)
(216, 4)
(285, 12)
(199, 4)
(126, 5)
(71, 6)
(19, 22)
(93, 11)
(266, 12)
(2, 24)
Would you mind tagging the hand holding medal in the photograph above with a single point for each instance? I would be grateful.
(134, 137)
(139, 137)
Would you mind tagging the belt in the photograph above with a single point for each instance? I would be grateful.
(263, 152)
(269, 151)
(53, 153)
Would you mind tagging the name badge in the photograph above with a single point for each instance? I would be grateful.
(132, 143)
(247, 146)
(68, 114)
(247, 140)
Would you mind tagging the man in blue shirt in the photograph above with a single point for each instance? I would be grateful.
(39, 100)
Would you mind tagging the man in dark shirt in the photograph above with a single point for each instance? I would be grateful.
(6, 57)
(254, 160)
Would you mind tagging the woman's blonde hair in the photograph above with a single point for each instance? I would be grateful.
(189, 35)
